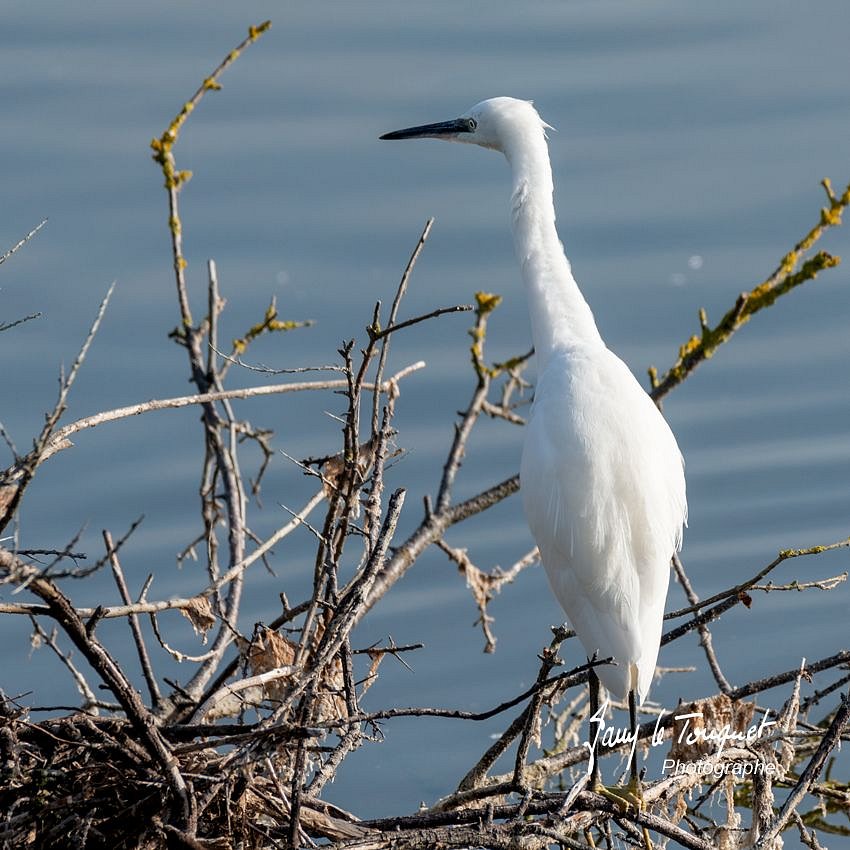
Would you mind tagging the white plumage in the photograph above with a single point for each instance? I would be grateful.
(602, 478)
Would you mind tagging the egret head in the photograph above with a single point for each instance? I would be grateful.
(499, 123)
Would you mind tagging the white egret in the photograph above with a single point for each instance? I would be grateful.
(602, 477)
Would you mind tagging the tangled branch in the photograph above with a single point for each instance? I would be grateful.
(242, 750)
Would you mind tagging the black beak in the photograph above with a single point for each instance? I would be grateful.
(438, 130)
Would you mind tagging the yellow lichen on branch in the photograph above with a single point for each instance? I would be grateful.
(269, 324)
(786, 277)
(254, 32)
(485, 303)
(163, 144)
(163, 155)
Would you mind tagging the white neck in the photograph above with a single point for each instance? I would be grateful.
(560, 317)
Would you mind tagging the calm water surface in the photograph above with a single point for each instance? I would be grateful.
(689, 147)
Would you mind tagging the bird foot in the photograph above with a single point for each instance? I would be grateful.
(625, 797)
(628, 798)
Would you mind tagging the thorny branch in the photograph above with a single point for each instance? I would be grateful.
(242, 750)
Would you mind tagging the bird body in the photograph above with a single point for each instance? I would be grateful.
(602, 477)
(603, 491)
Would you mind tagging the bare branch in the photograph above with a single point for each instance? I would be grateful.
(12, 486)
(441, 311)
(21, 244)
(5, 326)
(90, 701)
(144, 659)
(810, 774)
(704, 633)
(402, 288)
(739, 591)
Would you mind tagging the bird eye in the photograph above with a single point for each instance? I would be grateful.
(471, 124)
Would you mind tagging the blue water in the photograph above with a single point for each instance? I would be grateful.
(683, 132)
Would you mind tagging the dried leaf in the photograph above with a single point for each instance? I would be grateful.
(333, 467)
(199, 613)
(331, 698)
(481, 585)
(268, 651)
(371, 677)
(680, 809)
(717, 712)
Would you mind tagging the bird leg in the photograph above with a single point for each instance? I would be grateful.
(595, 783)
(630, 796)
(633, 729)
(634, 787)
(593, 684)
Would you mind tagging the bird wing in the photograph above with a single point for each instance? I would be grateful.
(604, 494)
